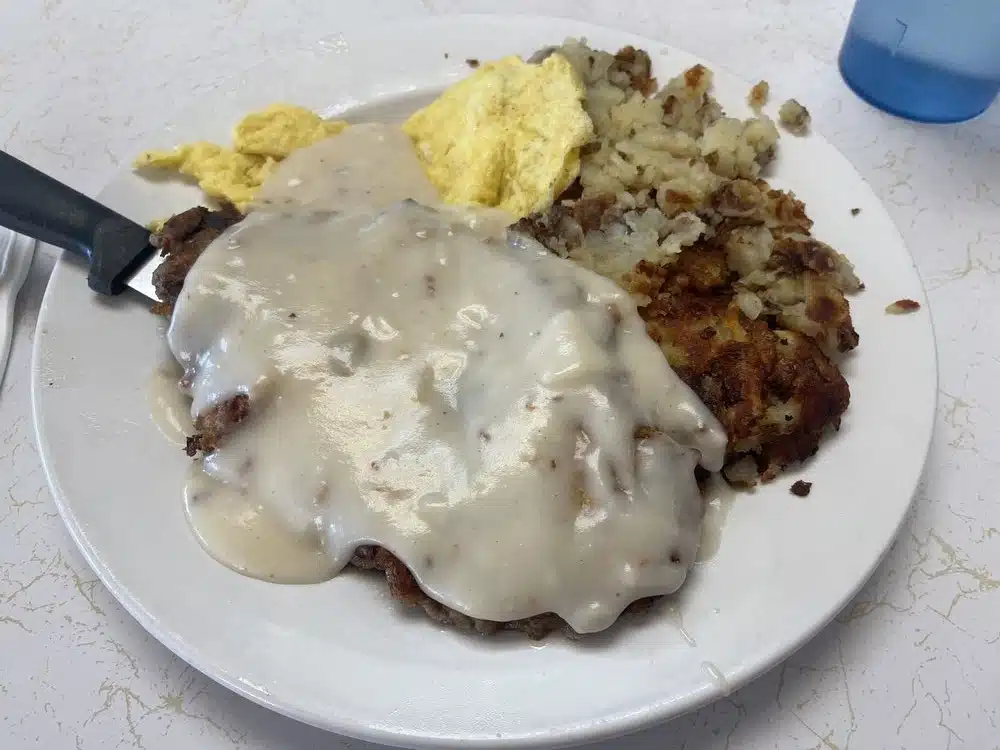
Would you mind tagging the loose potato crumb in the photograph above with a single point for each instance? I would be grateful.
(742, 473)
(902, 307)
(794, 117)
(801, 488)
(758, 95)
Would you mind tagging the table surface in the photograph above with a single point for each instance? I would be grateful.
(911, 662)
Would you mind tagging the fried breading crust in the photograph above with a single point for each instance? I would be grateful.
(183, 238)
(213, 424)
(404, 587)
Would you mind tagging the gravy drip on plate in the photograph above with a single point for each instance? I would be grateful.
(493, 415)
(170, 410)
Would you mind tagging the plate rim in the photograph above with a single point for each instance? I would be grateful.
(603, 727)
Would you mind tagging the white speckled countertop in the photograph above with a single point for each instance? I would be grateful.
(911, 663)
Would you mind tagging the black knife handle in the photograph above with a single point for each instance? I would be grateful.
(39, 206)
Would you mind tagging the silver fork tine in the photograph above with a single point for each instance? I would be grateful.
(16, 253)
(6, 247)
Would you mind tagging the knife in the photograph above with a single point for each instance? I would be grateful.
(116, 249)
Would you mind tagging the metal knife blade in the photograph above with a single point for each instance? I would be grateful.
(142, 280)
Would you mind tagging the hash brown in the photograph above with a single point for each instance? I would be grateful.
(749, 308)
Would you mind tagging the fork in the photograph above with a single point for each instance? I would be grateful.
(16, 253)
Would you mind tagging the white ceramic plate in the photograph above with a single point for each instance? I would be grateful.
(342, 656)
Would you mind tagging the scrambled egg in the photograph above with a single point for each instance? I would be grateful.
(281, 129)
(260, 141)
(508, 136)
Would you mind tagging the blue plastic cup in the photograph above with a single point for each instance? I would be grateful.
(926, 60)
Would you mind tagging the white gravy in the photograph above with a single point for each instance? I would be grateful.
(495, 416)
(170, 410)
(719, 498)
(244, 533)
